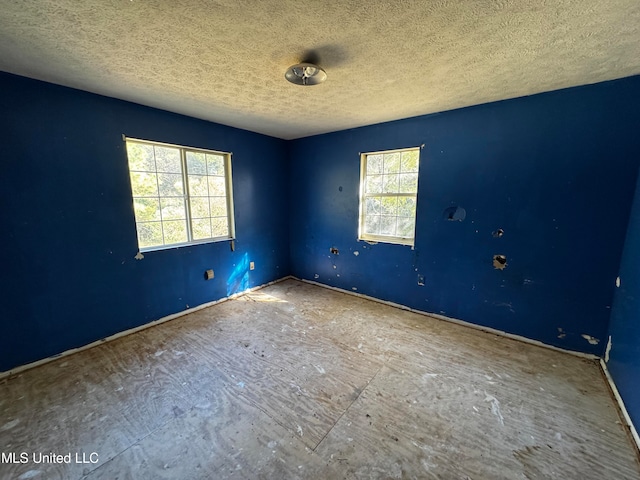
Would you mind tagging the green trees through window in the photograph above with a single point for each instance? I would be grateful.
(180, 195)
(388, 190)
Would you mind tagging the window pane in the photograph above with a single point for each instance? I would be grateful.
(198, 186)
(144, 184)
(406, 227)
(146, 209)
(215, 164)
(140, 157)
(374, 164)
(199, 207)
(372, 224)
(389, 205)
(170, 185)
(373, 184)
(407, 207)
(201, 228)
(216, 186)
(175, 231)
(173, 209)
(196, 163)
(219, 227)
(390, 184)
(218, 206)
(168, 160)
(392, 162)
(409, 162)
(372, 205)
(387, 225)
(149, 234)
(408, 183)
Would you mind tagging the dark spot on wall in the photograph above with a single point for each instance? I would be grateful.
(498, 233)
(499, 262)
(340, 188)
(454, 214)
(334, 250)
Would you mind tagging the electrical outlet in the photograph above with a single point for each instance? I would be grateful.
(208, 275)
(252, 266)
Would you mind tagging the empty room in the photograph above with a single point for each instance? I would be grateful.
(328, 240)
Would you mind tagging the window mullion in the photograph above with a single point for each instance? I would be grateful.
(155, 166)
(404, 194)
(187, 196)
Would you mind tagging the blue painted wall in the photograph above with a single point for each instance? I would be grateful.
(67, 272)
(555, 171)
(624, 356)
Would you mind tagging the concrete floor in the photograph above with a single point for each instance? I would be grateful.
(299, 381)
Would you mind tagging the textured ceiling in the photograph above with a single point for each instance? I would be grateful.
(225, 60)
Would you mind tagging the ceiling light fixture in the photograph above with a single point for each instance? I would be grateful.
(305, 74)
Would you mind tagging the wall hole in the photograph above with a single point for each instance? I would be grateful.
(499, 262)
(334, 250)
(454, 214)
(498, 233)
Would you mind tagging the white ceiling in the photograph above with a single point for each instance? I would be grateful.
(225, 60)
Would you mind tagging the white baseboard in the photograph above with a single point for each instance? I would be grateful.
(22, 368)
(494, 331)
(623, 409)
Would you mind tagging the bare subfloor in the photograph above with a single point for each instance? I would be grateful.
(298, 381)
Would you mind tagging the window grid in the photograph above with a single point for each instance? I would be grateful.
(185, 187)
(155, 164)
(388, 193)
(166, 222)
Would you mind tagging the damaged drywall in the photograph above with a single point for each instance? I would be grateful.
(454, 214)
(590, 339)
(608, 350)
(499, 262)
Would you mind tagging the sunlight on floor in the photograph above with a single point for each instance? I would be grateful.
(263, 297)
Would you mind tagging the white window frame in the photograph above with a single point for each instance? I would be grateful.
(394, 239)
(185, 182)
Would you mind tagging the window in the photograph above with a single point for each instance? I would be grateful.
(181, 196)
(388, 189)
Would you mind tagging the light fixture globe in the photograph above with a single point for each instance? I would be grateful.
(305, 74)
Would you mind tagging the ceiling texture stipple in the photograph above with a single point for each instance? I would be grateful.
(225, 60)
